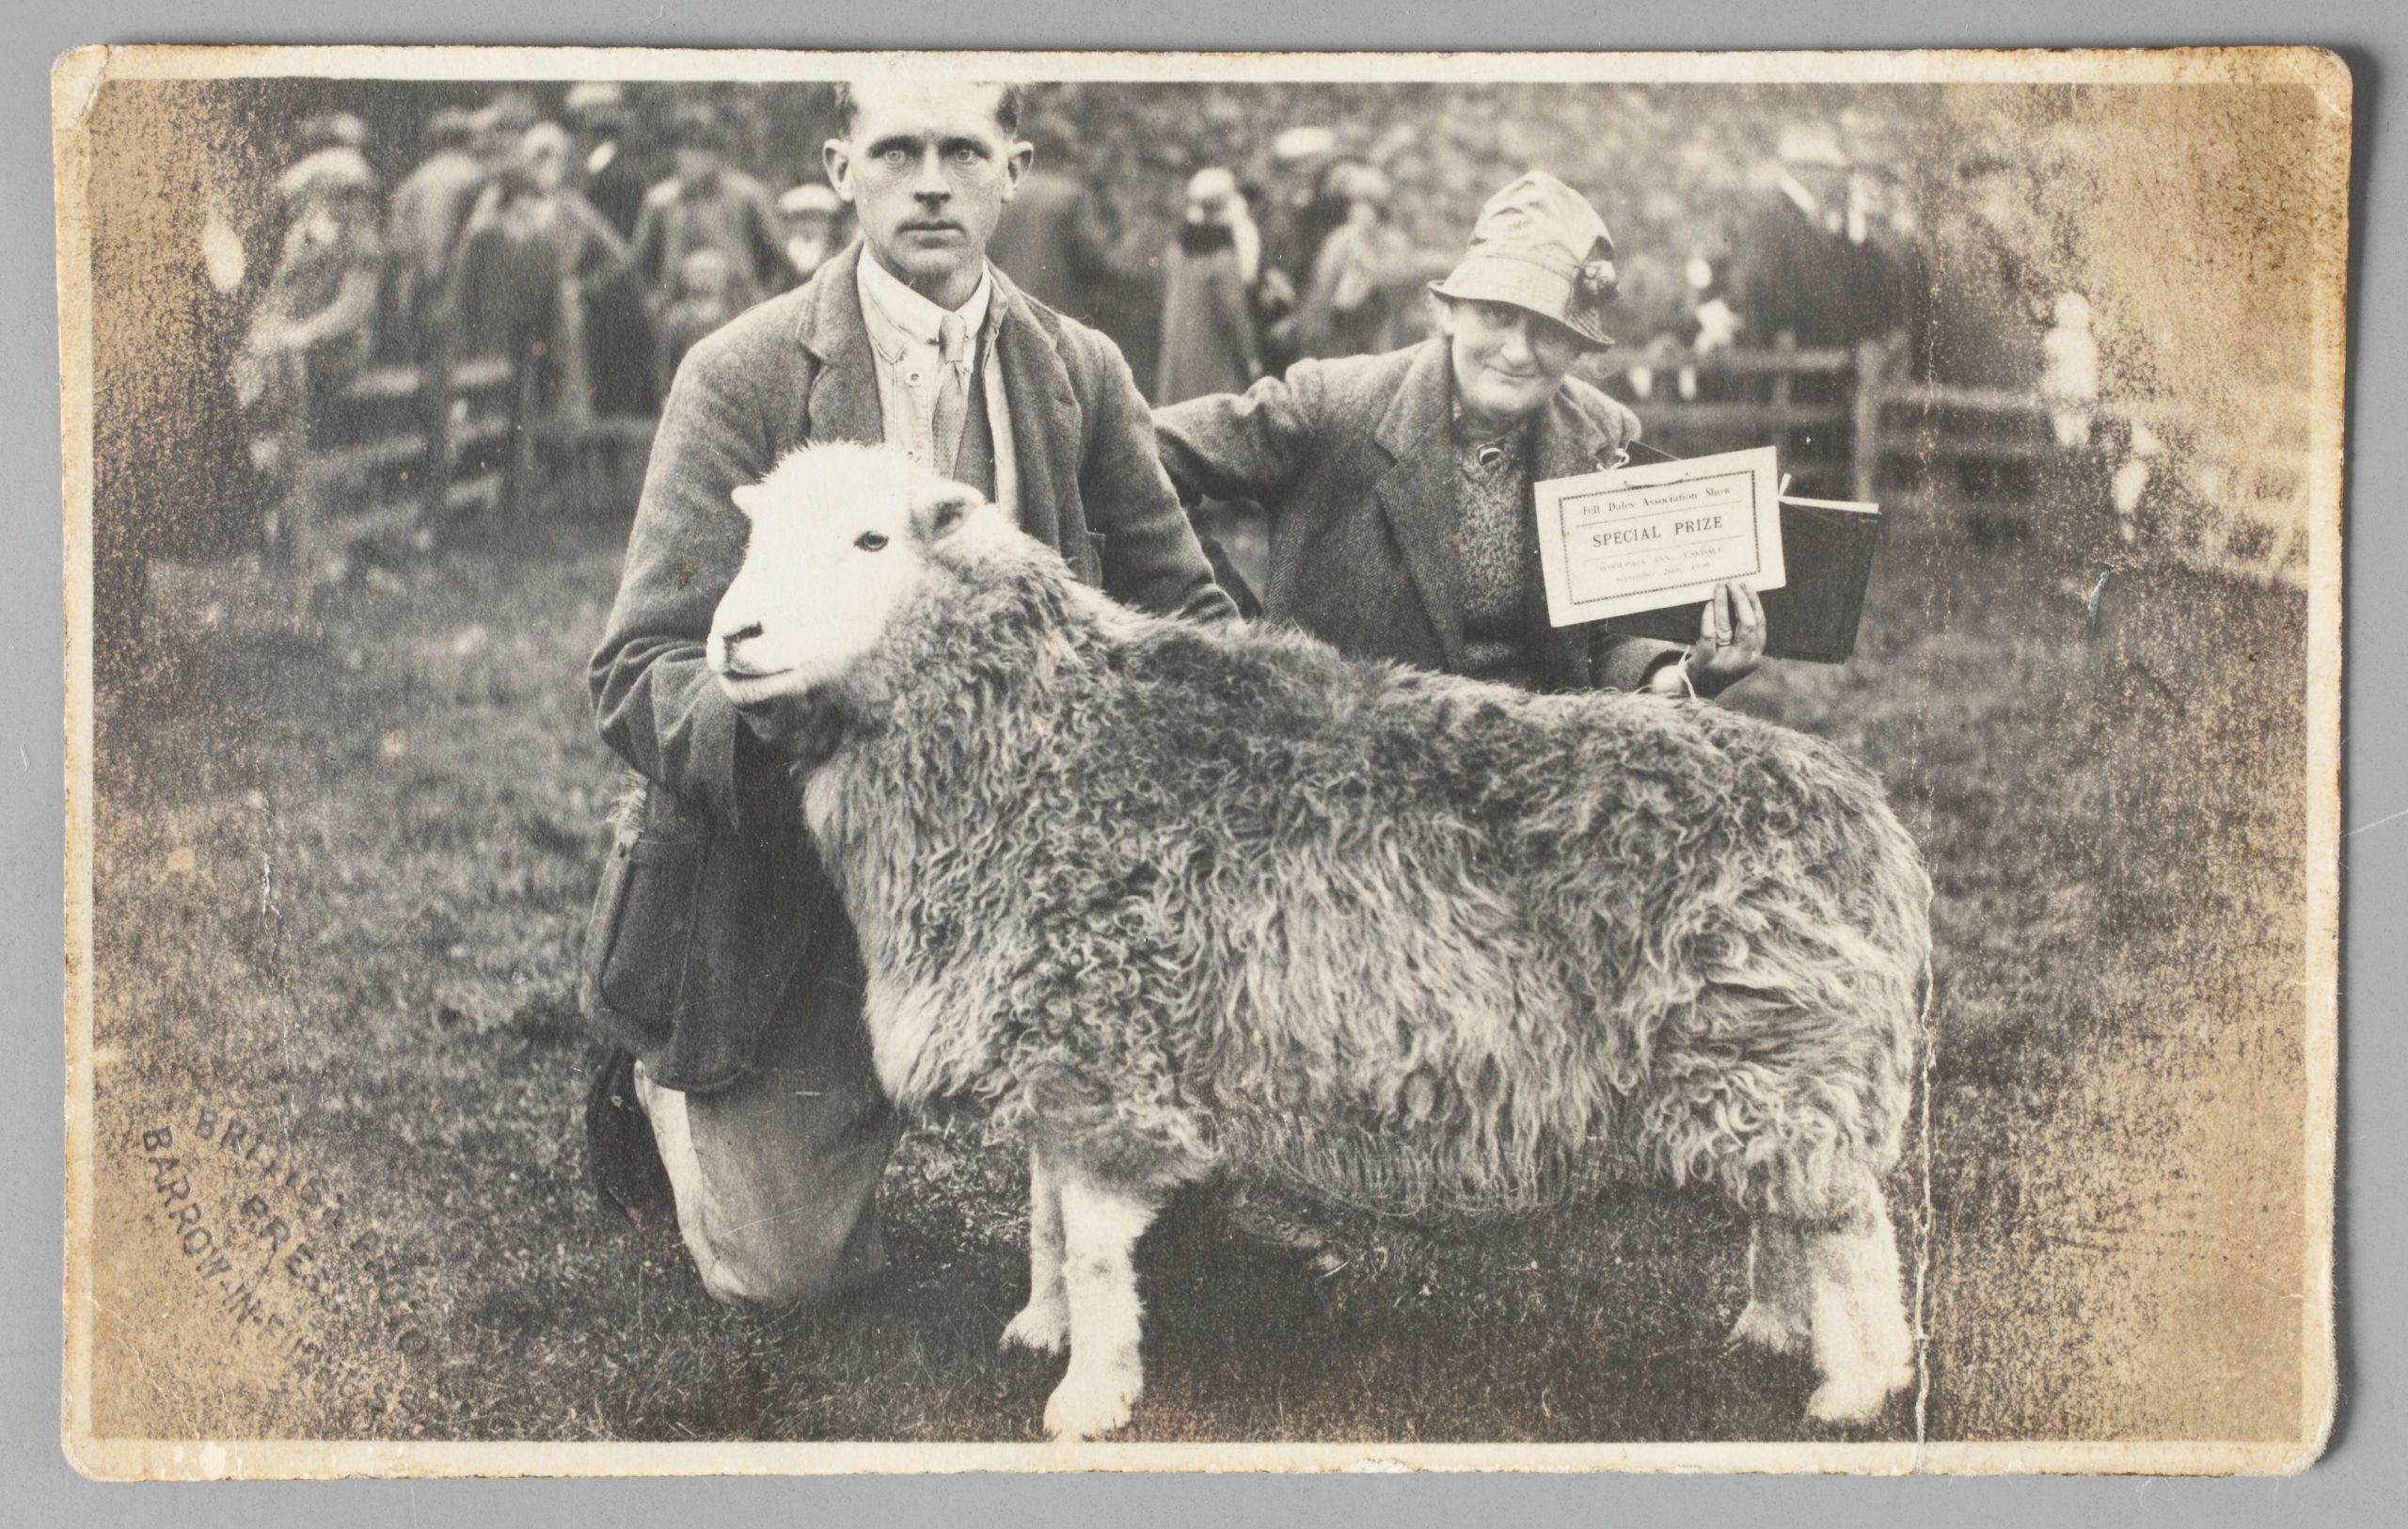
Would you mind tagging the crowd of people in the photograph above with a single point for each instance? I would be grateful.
(548, 237)
(597, 238)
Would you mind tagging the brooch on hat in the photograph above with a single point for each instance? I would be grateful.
(1593, 285)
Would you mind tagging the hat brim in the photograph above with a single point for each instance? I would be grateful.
(1526, 285)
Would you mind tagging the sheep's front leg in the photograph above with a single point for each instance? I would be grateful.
(1779, 1311)
(1101, 1225)
(1044, 1324)
(1862, 1342)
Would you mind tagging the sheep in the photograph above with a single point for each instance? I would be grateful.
(1174, 899)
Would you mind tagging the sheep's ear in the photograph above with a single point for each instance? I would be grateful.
(941, 511)
(750, 499)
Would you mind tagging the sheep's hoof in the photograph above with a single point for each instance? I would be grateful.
(1086, 1405)
(1766, 1327)
(1855, 1398)
(1039, 1328)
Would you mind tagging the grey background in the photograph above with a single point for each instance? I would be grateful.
(2362, 1479)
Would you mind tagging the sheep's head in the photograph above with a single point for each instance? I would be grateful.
(843, 537)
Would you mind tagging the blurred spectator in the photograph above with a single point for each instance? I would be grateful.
(423, 228)
(1810, 278)
(332, 129)
(502, 125)
(709, 204)
(1208, 312)
(811, 214)
(1060, 239)
(618, 305)
(1300, 212)
(1351, 306)
(532, 243)
(1293, 229)
(2069, 371)
(613, 179)
(702, 299)
(1809, 273)
(1979, 320)
(314, 325)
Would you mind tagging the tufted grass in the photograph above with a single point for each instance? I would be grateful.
(393, 806)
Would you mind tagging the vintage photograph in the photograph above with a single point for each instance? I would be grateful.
(810, 762)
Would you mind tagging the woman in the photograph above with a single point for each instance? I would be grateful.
(315, 323)
(1208, 285)
(1399, 487)
(1350, 307)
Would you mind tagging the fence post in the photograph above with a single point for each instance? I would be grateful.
(1872, 381)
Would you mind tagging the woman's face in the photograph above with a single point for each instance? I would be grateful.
(1508, 362)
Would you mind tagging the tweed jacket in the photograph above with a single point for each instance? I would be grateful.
(710, 902)
(1353, 460)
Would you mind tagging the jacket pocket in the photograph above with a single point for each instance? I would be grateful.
(640, 938)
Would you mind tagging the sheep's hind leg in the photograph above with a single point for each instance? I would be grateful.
(1857, 1314)
(1778, 1315)
(1044, 1324)
(1101, 1225)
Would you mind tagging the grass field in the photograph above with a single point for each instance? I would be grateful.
(342, 859)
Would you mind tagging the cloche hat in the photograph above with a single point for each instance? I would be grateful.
(1540, 246)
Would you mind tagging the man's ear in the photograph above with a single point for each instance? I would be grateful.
(939, 510)
(836, 156)
(1016, 163)
(749, 499)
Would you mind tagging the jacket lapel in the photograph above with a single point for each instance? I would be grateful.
(1418, 494)
(1046, 427)
(1565, 443)
(844, 392)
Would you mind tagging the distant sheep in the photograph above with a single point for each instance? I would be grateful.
(1175, 900)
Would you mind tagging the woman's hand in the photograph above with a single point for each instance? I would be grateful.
(1730, 641)
(1729, 646)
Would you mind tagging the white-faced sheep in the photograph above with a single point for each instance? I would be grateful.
(1169, 897)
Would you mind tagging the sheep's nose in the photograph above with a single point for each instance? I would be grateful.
(742, 634)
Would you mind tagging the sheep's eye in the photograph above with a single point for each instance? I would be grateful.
(870, 541)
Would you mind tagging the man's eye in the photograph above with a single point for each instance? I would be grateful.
(895, 156)
(966, 157)
(870, 541)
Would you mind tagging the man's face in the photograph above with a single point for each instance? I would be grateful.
(927, 169)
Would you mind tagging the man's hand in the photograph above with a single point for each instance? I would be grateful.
(799, 731)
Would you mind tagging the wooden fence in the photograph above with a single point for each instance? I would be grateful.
(403, 450)
(1852, 421)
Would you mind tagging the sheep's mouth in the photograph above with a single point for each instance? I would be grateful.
(744, 686)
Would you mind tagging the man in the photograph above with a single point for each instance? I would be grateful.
(423, 228)
(718, 953)
(618, 319)
(613, 179)
(810, 215)
(1809, 275)
(709, 203)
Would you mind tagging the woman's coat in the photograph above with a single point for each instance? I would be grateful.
(1353, 459)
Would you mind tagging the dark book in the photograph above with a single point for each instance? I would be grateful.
(1826, 547)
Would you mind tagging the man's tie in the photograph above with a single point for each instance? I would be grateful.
(953, 390)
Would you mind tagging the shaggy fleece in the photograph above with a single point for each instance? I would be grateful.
(1183, 899)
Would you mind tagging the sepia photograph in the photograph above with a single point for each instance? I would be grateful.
(798, 762)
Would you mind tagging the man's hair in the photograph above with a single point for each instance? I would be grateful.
(1010, 99)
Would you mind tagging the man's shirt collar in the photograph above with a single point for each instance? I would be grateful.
(897, 316)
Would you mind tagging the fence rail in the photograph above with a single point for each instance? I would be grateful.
(418, 446)
(1852, 417)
